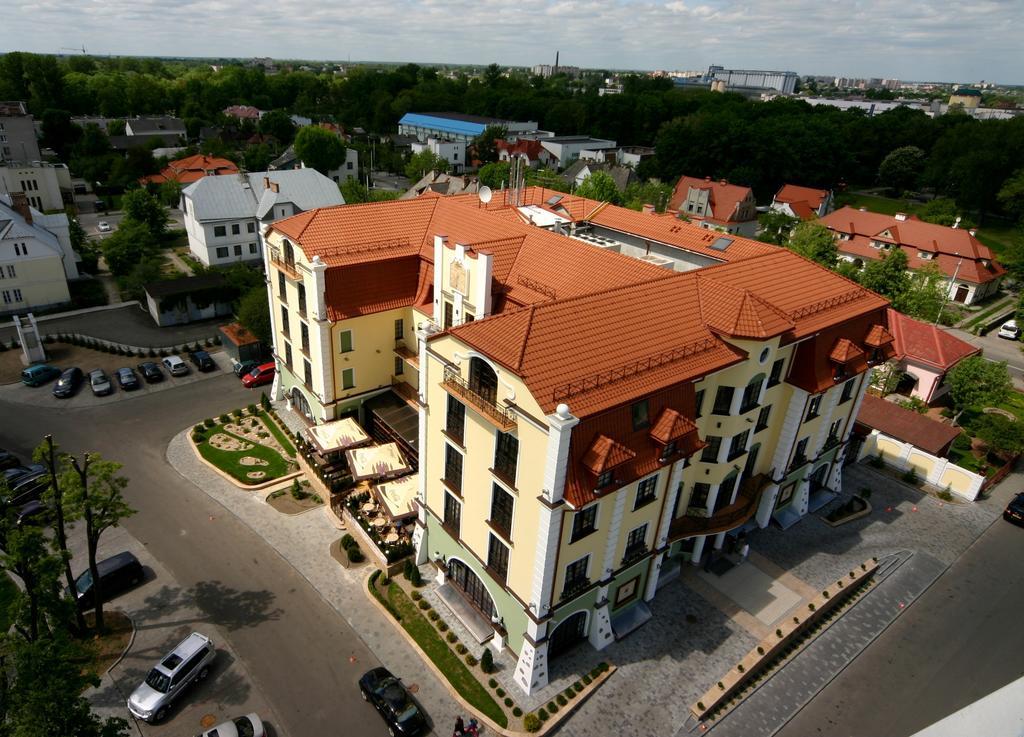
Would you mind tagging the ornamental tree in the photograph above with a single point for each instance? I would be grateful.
(977, 382)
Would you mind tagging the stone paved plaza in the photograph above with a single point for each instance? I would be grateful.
(690, 642)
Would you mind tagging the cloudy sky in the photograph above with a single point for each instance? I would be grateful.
(908, 39)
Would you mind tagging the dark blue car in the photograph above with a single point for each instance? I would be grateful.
(68, 383)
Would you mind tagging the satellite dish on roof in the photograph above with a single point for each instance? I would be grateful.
(485, 194)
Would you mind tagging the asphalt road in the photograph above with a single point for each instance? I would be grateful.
(297, 648)
(90, 220)
(995, 348)
(959, 642)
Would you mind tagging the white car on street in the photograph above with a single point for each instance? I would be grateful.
(103, 226)
(248, 726)
(1009, 330)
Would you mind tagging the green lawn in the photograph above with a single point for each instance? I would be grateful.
(7, 593)
(453, 667)
(283, 439)
(229, 460)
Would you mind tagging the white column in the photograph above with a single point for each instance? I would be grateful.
(419, 535)
(480, 289)
(698, 550)
(612, 544)
(601, 635)
(790, 429)
(439, 244)
(560, 426)
(532, 667)
(767, 505)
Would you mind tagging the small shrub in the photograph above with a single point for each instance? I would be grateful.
(602, 666)
(516, 711)
(863, 566)
(825, 594)
(216, 340)
(199, 428)
(811, 606)
(238, 412)
(531, 722)
(577, 687)
(407, 569)
(796, 620)
(451, 637)
(461, 649)
(553, 707)
(500, 691)
(721, 686)
(443, 626)
(470, 660)
(197, 437)
(415, 596)
(224, 419)
(760, 650)
(209, 422)
(252, 409)
(347, 541)
(839, 584)
(417, 578)
(945, 495)
(910, 476)
(264, 401)
(778, 633)
(877, 461)
(587, 680)
(433, 616)
(151, 353)
(740, 668)
(508, 701)
(700, 705)
(208, 343)
(424, 604)
(355, 555)
(163, 353)
(487, 662)
(492, 682)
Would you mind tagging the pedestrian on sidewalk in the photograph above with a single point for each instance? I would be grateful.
(473, 730)
(460, 728)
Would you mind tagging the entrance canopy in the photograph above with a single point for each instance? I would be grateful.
(397, 496)
(377, 462)
(338, 435)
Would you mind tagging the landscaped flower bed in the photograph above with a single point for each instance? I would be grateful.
(248, 445)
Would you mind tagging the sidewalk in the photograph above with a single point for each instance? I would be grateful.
(304, 541)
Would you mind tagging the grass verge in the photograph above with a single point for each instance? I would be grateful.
(229, 461)
(283, 439)
(104, 650)
(423, 632)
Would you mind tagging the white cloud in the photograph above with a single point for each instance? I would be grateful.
(909, 39)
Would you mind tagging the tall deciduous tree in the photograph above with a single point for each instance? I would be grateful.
(925, 293)
(887, 276)
(776, 227)
(1011, 196)
(95, 492)
(423, 162)
(319, 148)
(278, 123)
(816, 242)
(142, 207)
(495, 174)
(977, 382)
(254, 313)
(902, 168)
(599, 186)
(485, 144)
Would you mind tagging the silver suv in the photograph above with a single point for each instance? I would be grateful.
(185, 664)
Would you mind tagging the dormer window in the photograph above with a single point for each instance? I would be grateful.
(875, 357)
(604, 479)
(668, 451)
(925, 255)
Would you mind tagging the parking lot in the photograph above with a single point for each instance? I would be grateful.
(64, 356)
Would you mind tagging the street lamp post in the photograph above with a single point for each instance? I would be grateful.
(952, 281)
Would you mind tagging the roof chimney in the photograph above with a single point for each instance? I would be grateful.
(648, 208)
(19, 203)
(266, 182)
(707, 179)
(901, 216)
(956, 223)
(723, 182)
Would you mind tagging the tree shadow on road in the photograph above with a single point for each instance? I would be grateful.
(207, 601)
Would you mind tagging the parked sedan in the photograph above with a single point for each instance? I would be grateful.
(248, 726)
(127, 379)
(1014, 511)
(393, 701)
(202, 360)
(151, 372)
(68, 383)
(100, 383)
(259, 376)
(103, 226)
(175, 366)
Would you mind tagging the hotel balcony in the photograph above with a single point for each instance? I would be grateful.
(727, 518)
(498, 416)
(404, 389)
(406, 353)
(288, 267)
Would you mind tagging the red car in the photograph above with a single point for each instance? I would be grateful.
(262, 374)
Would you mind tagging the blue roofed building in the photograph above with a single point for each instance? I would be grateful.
(456, 126)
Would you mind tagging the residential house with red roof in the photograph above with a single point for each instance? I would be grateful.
(529, 150)
(864, 236)
(584, 421)
(191, 169)
(716, 205)
(926, 353)
(802, 202)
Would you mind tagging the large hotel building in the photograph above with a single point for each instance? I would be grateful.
(592, 396)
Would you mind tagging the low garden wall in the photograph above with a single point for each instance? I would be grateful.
(940, 472)
(786, 635)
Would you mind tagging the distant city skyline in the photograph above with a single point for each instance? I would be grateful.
(904, 39)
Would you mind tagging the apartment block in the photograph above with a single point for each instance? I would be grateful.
(583, 422)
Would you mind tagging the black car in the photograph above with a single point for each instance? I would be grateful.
(118, 573)
(34, 512)
(202, 360)
(1014, 511)
(241, 369)
(26, 483)
(151, 372)
(8, 460)
(393, 701)
(127, 379)
(68, 383)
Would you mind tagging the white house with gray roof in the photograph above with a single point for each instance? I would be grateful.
(225, 216)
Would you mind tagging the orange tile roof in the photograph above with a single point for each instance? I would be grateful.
(793, 194)
(192, 169)
(953, 250)
(671, 425)
(903, 424)
(844, 351)
(878, 336)
(370, 287)
(739, 313)
(238, 334)
(925, 343)
(724, 197)
(605, 454)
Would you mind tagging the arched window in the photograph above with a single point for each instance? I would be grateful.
(483, 380)
(301, 404)
(289, 253)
